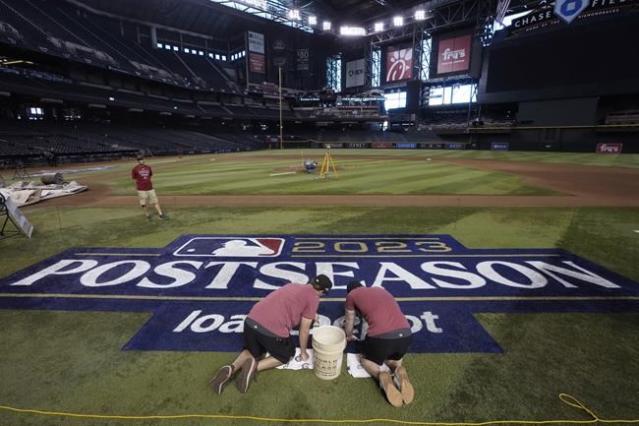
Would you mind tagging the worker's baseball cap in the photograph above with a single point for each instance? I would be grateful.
(352, 286)
(322, 282)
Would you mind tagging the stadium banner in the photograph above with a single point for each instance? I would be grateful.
(499, 146)
(200, 288)
(609, 148)
(356, 145)
(456, 145)
(355, 73)
(569, 10)
(302, 59)
(256, 42)
(399, 64)
(381, 145)
(406, 145)
(257, 63)
(454, 54)
(544, 16)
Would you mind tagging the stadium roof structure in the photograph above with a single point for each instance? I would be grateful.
(217, 17)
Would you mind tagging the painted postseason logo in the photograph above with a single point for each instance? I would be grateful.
(200, 287)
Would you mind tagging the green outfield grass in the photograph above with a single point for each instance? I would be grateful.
(381, 172)
(72, 361)
(265, 174)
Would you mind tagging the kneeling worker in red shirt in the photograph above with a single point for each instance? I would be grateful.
(142, 176)
(387, 339)
(267, 328)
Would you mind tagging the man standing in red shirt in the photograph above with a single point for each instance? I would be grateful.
(267, 328)
(387, 339)
(142, 176)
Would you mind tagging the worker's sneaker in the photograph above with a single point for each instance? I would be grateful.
(246, 375)
(390, 390)
(404, 385)
(220, 379)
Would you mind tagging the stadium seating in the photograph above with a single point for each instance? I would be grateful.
(34, 141)
(53, 27)
(626, 117)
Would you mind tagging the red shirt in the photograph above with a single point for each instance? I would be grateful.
(379, 308)
(283, 309)
(142, 175)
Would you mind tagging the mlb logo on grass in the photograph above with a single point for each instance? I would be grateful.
(231, 247)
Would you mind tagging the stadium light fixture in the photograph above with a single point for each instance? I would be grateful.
(379, 27)
(420, 15)
(294, 15)
(346, 30)
(312, 20)
(326, 25)
(159, 45)
(175, 48)
(398, 21)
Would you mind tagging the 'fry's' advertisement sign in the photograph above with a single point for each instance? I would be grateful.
(454, 54)
(200, 287)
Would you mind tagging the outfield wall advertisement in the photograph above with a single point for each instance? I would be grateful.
(200, 287)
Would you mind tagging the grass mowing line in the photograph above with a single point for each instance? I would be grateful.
(563, 397)
(326, 299)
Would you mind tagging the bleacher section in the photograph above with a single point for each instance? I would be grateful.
(47, 85)
(38, 141)
(625, 117)
(342, 112)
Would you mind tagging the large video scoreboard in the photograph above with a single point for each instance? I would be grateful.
(591, 59)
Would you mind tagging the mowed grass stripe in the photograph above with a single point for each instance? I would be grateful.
(423, 182)
(493, 183)
(349, 181)
(202, 183)
(357, 176)
(459, 182)
(376, 180)
(353, 180)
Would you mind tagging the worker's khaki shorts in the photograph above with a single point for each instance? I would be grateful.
(147, 197)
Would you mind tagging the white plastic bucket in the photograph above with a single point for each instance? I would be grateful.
(328, 351)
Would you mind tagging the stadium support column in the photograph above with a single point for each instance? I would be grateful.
(154, 37)
(281, 124)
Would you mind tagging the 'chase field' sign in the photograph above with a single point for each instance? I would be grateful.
(200, 287)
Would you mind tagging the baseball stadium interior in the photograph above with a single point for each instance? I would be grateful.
(309, 212)
(94, 79)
